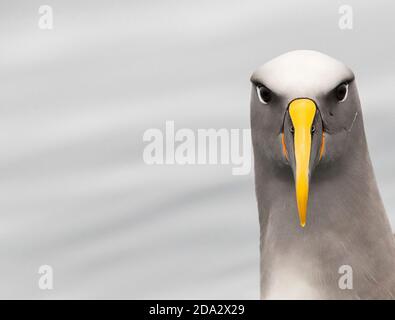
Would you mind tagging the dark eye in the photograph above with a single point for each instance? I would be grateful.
(264, 94)
(341, 92)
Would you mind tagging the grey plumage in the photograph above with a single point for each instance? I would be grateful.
(346, 221)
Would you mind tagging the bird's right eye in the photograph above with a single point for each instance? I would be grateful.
(264, 94)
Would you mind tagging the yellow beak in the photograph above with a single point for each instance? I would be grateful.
(302, 113)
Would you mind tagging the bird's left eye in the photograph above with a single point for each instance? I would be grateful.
(341, 92)
(264, 94)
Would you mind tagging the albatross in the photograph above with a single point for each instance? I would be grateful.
(320, 210)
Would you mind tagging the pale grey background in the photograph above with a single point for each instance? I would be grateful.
(75, 101)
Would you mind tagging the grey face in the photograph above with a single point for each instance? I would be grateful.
(303, 106)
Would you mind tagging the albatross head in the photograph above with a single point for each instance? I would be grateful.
(303, 106)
